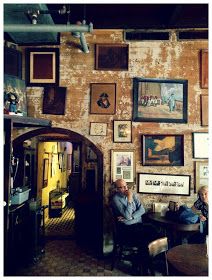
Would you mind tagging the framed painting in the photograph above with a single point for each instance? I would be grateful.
(103, 99)
(160, 100)
(45, 172)
(201, 174)
(122, 165)
(164, 184)
(15, 100)
(165, 150)
(113, 57)
(12, 62)
(204, 68)
(90, 155)
(200, 145)
(54, 100)
(98, 129)
(204, 109)
(122, 131)
(42, 66)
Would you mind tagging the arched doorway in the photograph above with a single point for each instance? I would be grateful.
(89, 204)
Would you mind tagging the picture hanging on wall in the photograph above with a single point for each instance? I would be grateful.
(42, 66)
(122, 131)
(200, 145)
(201, 174)
(204, 68)
(165, 150)
(103, 99)
(160, 100)
(54, 100)
(204, 109)
(113, 57)
(15, 101)
(98, 129)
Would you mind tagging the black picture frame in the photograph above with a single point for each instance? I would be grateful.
(160, 100)
(13, 62)
(54, 100)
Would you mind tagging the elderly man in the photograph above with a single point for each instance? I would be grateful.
(128, 211)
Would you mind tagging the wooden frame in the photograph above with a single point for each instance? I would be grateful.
(204, 109)
(54, 100)
(163, 150)
(122, 131)
(160, 100)
(112, 57)
(103, 98)
(122, 165)
(204, 68)
(164, 184)
(201, 174)
(200, 145)
(98, 129)
(45, 172)
(42, 66)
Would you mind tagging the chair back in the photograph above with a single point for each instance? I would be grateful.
(158, 246)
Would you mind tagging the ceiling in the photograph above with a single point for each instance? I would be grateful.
(103, 16)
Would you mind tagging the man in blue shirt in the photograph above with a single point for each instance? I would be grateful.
(128, 212)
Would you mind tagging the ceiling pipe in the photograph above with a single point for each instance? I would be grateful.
(53, 28)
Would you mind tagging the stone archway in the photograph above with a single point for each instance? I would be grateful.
(89, 229)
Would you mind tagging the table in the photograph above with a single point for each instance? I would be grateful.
(175, 231)
(189, 259)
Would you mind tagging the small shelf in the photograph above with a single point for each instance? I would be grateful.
(21, 121)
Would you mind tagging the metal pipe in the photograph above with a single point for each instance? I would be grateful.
(83, 43)
(48, 28)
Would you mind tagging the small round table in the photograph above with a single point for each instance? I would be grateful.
(189, 259)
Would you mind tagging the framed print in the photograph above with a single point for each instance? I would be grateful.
(122, 131)
(166, 150)
(91, 155)
(204, 109)
(98, 129)
(45, 172)
(103, 99)
(15, 100)
(200, 145)
(42, 66)
(112, 57)
(122, 165)
(201, 174)
(54, 100)
(164, 184)
(160, 100)
(204, 68)
(13, 62)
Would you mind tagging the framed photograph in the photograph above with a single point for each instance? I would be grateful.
(166, 150)
(98, 129)
(204, 68)
(45, 172)
(103, 99)
(204, 109)
(54, 100)
(113, 57)
(200, 145)
(122, 165)
(201, 174)
(164, 184)
(15, 100)
(42, 66)
(160, 100)
(122, 131)
(91, 155)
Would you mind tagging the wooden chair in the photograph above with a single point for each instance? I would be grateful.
(157, 247)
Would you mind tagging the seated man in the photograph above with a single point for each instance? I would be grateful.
(128, 211)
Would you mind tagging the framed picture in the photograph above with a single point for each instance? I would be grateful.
(103, 99)
(45, 172)
(164, 184)
(122, 165)
(112, 57)
(54, 100)
(204, 109)
(160, 100)
(166, 150)
(98, 129)
(204, 68)
(201, 174)
(122, 131)
(15, 100)
(12, 62)
(200, 145)
(42, 66)
(91, 155)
